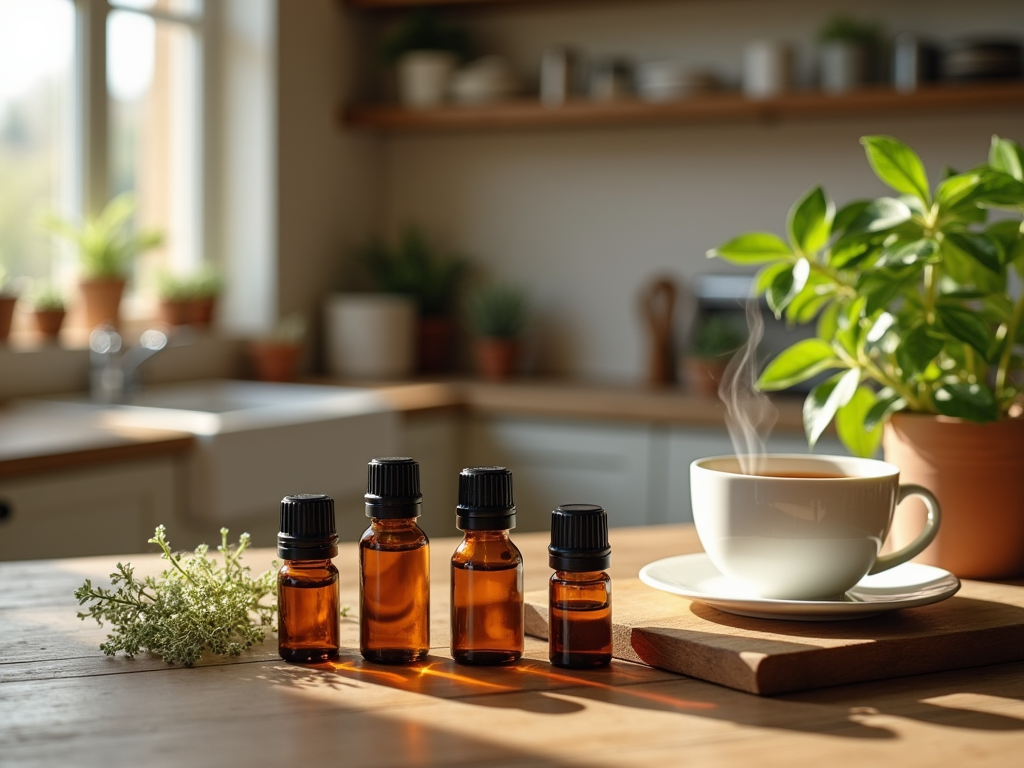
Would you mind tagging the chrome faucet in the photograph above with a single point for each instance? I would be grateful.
(114, 376)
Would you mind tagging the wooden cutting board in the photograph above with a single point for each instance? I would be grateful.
(982, 624)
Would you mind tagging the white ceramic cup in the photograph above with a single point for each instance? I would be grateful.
(802, 538)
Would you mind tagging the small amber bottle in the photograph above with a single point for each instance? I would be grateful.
(487, 571)
(580, 592)
(307, 585)
(394, 566)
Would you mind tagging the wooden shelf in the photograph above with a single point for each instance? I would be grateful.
(721, 108)
(390, 4)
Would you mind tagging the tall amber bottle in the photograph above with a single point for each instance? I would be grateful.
(580, 592)
(394, 566)
(307, 584)
(487, 571)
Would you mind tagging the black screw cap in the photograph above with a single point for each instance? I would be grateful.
(485, 500)
(307, 528)
(393, 488)
(579, 538)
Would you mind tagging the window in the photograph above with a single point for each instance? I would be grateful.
(70, 141)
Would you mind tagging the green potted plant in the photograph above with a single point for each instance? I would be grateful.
(7, 301)
(425, 52)
(107, 246)
(919, 323)
(48, 310)
(715, 339)
(415, 268)
(187, 299)
(496, 315)
(849, 47)
(275, 357)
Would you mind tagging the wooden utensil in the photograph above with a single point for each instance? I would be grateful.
(657, 304)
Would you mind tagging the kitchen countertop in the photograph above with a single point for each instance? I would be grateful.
(63, 703)
(26, 447)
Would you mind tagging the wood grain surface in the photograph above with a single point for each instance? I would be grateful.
(982, 624)
(62, 703)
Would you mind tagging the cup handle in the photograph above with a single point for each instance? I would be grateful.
(917, 546)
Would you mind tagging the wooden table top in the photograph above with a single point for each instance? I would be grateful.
(63, 703)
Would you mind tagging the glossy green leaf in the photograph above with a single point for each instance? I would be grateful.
(1007, 156)
(800, 362)
(850, 254)
(752, 248)
(974, 402)
(825, 399)
(886, 404)
(897, 165)
(966, 326)
(880, 289)
(917, 349)
(980, 247)
(850, 424)
(904, 254)
(806, 305)
(956, 189)
(850, 330)
(968, 271)
(767, 274)
(880, 327)
(828, 323)
(879, 215)
(787, 285)
(810, 222)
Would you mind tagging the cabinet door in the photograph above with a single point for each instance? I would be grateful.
(687, 445)
(555, 462)
(96, 511)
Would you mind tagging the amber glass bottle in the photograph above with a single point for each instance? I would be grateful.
(580, 592)
(307, 584)
(487, 572)
(394, 566)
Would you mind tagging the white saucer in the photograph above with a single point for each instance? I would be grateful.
(905, 586)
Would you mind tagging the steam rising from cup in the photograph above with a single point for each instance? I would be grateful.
(750, 415)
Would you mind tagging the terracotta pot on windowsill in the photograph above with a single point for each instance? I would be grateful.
(6, 314)
(496, 358)
(275, 360)
(435, 335)
(102, 297)
(975, 471)
(49, 322)
(175, 311)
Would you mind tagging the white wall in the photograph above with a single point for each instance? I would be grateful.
(584, 217)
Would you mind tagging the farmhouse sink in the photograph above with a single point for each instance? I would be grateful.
(258, 441)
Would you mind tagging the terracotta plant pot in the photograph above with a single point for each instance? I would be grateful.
(977, 473)
(435, 337)
(6, 315)
(49, 321)
(702, 375)
(275, 361)
(175, 312)
(102, 298)
(496, 358)
(202, 311)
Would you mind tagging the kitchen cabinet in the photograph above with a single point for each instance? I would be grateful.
(98, 510)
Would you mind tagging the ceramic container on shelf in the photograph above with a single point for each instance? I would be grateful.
(424, 78)
(767, 69)
(844, 66)
(976, 471)
(370, 335)
(486, 80)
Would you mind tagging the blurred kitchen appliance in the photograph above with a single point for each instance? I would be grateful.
(982, 59)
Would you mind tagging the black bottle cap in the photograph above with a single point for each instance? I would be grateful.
(485, 500)
(579, 538)
(307, 528)
(393, 488)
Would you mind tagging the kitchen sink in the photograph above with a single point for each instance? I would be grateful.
(258, 441)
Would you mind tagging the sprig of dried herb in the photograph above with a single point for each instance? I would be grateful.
(194, 605)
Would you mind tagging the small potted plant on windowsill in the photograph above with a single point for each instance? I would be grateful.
(7, 301)
(715, 339)
(187, 299)
(919, 320)
(48, 310)
(496, 314)
(107, 246)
